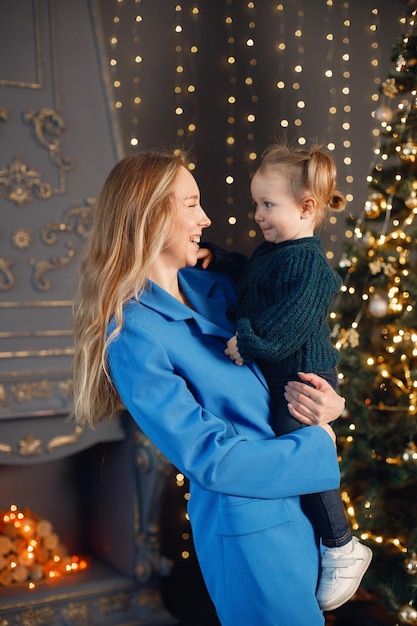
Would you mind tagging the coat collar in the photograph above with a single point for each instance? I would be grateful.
(208, 304)
(200, 290)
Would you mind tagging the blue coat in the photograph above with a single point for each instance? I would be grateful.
(257, 550)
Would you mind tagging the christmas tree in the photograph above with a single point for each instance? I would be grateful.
(374, 325)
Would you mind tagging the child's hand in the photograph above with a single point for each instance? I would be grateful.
(206, 256)
(232, 352)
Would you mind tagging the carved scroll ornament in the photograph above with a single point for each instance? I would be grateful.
(48, 126)
(18, 183)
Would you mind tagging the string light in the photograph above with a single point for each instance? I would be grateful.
(291, 83)
(136, 99)
(280, 48)
(179, 69)
(231, 101)
(346, 100)
(298, 69)
(185, 82)
(30, 552)
(124, 23)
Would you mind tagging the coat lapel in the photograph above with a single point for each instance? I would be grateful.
(207, 311)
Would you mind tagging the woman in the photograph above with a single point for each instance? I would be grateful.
(150, 335)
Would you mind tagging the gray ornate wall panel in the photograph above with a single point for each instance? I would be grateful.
(58, 139)
(99, 489)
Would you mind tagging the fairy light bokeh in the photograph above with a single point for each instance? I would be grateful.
(225, 81)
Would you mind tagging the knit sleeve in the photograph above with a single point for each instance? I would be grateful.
(226, 261)
(300, 306)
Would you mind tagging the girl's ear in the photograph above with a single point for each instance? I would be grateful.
(308, 207)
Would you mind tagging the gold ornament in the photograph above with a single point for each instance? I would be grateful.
(410, 565)
(401, 63)
(407, 614)
(368, 239)
(411, 201)
(375, 203)
(410, 453)
(378, 305)
(389, 88)
(409, 152)
(383, 113)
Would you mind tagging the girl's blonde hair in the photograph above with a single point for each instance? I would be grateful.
(313, 172)
(131, 223)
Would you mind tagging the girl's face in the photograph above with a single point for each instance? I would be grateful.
(279, 216)
(188, 221)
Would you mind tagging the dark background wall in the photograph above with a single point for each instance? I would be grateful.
(352, 39)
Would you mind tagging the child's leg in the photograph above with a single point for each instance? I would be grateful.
(327, 513)
(345, 559)
(282, 420)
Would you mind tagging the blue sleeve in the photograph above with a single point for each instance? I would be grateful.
(206, 447)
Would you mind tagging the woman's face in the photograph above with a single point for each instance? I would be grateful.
(188, 221)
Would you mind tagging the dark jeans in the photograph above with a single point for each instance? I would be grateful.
(325, 509)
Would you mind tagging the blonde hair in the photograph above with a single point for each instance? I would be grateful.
(131, 223)
(312, 171)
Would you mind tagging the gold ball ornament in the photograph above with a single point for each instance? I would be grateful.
(374, 204)
(409, 152)
(368, 239)
(407, 614)
(411, 201)
(383, 114)
(410, 565)
(378, 305)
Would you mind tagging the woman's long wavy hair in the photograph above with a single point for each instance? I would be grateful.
(131, 223)
(312, 171)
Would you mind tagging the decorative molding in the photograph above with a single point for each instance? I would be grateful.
(7, 279)
(48, 127)
(38, 84)
(120, 601)
(8, 450)
(22, 392)
(18, 181)
(76, 220)
(22, 354)
(21, 239)
(28, 304)
(30, 445)
(76, 613)
(39, 268)
(65, 440)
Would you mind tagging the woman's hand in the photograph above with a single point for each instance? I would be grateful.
(232, 352)
(315, 405)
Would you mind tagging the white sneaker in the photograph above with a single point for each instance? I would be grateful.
(341, 575)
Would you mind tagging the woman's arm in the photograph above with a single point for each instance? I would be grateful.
(211, 449)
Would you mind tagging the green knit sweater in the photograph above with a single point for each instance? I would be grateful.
(284, 297)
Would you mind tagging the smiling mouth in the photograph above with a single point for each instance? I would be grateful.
(195, 240)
